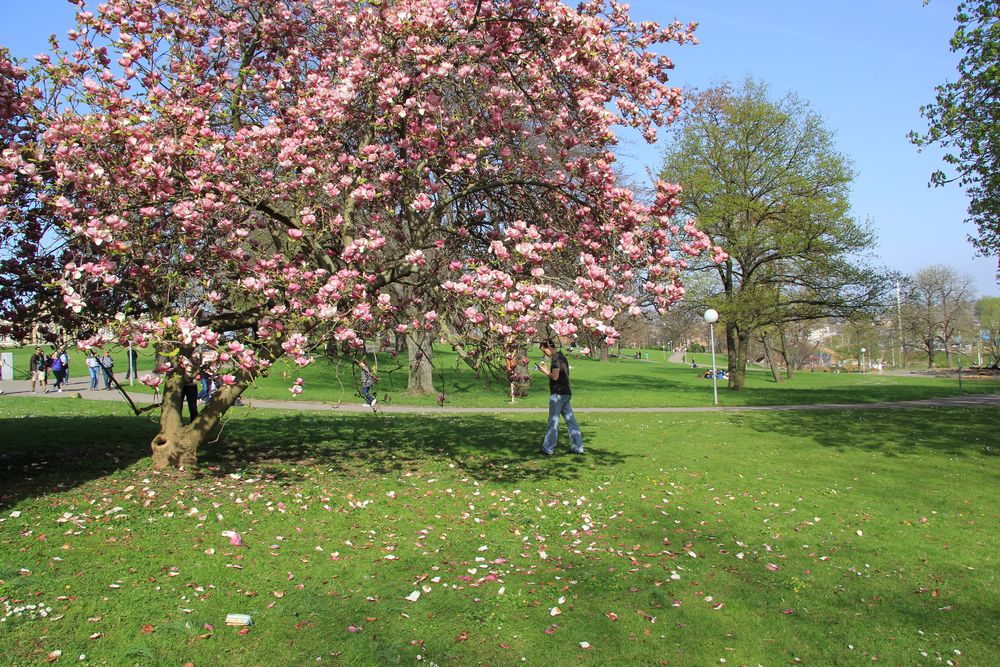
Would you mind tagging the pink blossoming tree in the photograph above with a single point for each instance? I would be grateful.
(261, 178)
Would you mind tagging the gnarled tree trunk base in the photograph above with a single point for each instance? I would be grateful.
(176, 445)
(176, 449)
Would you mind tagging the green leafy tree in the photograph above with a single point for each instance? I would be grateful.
(964, 119)
(857, 334)
(765, 182)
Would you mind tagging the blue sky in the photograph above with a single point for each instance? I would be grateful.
(865, 67)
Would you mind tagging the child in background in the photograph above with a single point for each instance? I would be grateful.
(368, 380)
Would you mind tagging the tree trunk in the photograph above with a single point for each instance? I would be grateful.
(784, 353)
(420, 352)
(177, 444)
(737, 345)
(769, 354)
(521, 376)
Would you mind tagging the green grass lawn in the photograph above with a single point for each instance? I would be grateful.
(616, 383)
(826, 538)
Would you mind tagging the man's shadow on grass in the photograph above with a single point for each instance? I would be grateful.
(54, 454)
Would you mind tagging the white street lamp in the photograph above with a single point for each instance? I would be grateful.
(958, 350)
(712, 316)
(862, 360)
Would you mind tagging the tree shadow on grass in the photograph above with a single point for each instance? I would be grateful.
(688, 387)
(775, 394)
(595, 391)
(951, 431)
(483, 446)
(52, 454)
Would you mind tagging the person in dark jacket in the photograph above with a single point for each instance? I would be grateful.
(559, 396)
(56, 364)
(38, 367)
(108, 364)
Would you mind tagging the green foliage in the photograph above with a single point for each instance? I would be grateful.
(824, 538)
(964, 119)
(764, 181)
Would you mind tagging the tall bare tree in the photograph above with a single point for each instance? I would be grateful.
(937, 305)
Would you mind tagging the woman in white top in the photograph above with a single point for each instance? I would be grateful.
(93, 368)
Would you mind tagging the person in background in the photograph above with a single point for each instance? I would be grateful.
(64, 359)
(37, 366)
(133, 366)
(368, 380)
(108, 364)
(206, 386)
(190, 392)
(93, 368)
(56, 364)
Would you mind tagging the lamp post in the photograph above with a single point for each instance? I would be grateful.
(958, 351)
(712, 316)
(862, 360)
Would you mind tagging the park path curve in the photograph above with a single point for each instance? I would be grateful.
(78, 388)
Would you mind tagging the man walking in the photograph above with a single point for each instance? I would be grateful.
(38, 367)
(559, 397)
(108, 364)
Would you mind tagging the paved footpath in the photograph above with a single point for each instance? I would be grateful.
(79, 387)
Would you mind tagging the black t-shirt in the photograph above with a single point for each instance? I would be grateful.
(39, 362)
(560, 386)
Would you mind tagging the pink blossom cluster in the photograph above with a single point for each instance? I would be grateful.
(264, 182)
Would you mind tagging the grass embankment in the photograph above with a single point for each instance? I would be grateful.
(822, 537)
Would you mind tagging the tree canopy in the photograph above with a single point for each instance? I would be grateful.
(260, 179)
(964, 119)
(764, 180)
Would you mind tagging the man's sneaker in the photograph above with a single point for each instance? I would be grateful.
(59, 390)
(374, 401)
(577, 451)
(546, 453)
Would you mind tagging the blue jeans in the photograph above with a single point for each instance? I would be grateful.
(94, 370)
(367, 393)
(559, 405)
(206, 389)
